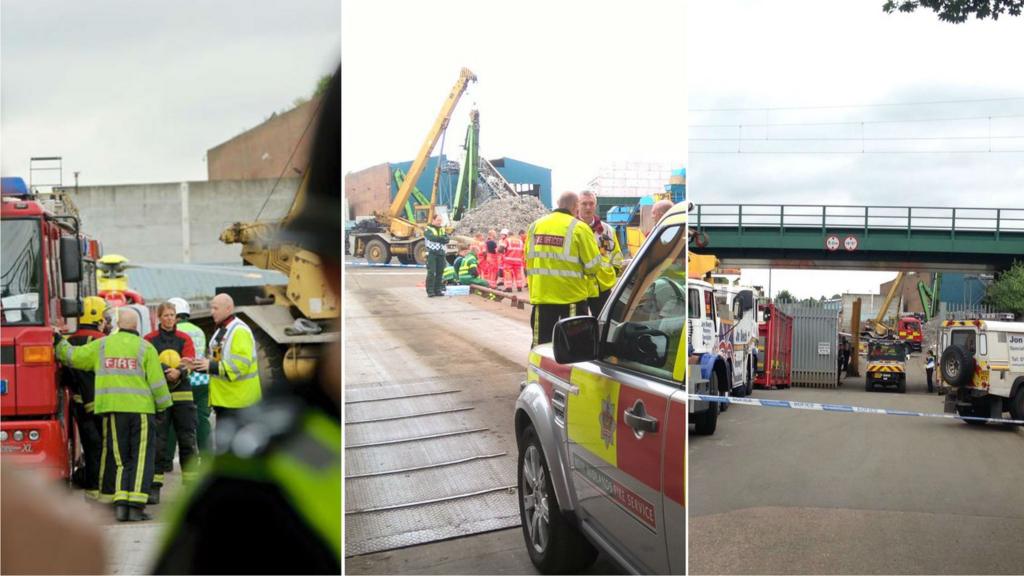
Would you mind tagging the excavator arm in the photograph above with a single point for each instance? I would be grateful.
(416, 170)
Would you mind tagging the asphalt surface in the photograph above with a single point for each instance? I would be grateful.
(800, 492)
(394, 333)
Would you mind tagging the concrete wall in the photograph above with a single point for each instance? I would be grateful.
(263, 151)
(149, 223)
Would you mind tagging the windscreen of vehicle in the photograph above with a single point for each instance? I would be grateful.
(887, 351)
(21, 282)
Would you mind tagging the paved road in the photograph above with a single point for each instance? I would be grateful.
(395, 334)
(792, 491)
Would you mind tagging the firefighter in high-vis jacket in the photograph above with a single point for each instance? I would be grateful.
(130, 389)
(91, 326)
(274, 483)
(561, 258)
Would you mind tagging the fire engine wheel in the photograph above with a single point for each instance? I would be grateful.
(419, 251)
(956, 366)
(377, 252)
(555, 546)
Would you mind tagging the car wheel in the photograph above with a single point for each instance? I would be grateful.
(972, 410)
(956, 366)
(708, 421)
(902, 386)
(555, 546)
(868, 386)
(1017, 404)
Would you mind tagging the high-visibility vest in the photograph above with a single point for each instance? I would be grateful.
(128, 373)
(237, 383)
(305, 465)
(468, 265)
(560, 253)
(434, 238)
(514, 250)
(199, 343)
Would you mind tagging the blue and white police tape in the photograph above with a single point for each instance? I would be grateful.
(371, 265)
(842, 408)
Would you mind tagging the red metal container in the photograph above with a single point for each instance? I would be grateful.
(774, 349)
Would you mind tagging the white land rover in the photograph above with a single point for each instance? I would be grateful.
(983, 362)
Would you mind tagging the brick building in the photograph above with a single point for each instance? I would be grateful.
(280, 145)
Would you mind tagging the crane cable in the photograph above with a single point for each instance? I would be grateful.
(312, 118)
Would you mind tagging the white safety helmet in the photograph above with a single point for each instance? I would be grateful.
(180, 306)
(504, 231)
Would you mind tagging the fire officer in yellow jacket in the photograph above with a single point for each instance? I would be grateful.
(232, 363)
(562, 257)
(129, 388)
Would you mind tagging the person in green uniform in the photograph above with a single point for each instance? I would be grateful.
(436, 240)
(469, 272)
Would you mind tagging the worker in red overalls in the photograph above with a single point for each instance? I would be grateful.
(513, 262)
(522, 239)
(493, 259)
(483, 264)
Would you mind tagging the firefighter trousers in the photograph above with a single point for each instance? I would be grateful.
(202, 399)
(543, 318)
(126, 468)
(181, 417)
(92, 447)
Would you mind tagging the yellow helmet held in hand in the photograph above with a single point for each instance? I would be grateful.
(170, 358)
(92, 310)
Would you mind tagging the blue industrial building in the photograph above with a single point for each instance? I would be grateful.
(961, 289)
(526, 178)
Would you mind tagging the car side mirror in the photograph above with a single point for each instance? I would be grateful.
(70, 260)
(71, 307)
(576, 340)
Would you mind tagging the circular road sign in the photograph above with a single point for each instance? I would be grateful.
(850, 243)
(832, 243)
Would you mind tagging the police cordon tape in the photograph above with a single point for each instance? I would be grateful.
(371, 265)
(842, 408)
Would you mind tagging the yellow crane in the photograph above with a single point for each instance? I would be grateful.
(881, 330)
(399, 235)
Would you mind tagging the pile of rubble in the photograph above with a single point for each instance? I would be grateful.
(515, 213)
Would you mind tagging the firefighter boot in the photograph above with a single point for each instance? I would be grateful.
(137, 515)
(154, 495)
(121, 510)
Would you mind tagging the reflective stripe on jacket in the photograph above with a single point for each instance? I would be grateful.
(128, 373)
(560, 254)
(236, 383)
(468, 266)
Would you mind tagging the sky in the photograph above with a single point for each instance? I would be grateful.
(810, 62)
(130, 92)
(568, 85)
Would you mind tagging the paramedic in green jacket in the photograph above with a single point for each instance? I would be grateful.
(436, 240)
(468, 271)
(130, 389)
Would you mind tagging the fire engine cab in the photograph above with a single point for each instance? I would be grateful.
(43, 264)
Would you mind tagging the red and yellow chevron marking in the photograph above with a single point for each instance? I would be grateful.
(969, 323)
(981, 375)
(886, 368)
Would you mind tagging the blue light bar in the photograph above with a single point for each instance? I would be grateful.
(13, 186)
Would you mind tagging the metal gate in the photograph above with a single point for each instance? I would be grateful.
(815, 345)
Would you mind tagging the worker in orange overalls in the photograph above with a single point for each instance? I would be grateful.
(503, 273)
(493, 259)
(481, 254)
(522, 238)
(513, 262)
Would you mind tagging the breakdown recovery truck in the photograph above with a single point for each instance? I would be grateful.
(43, 281)
(600, 423)
(400, 236)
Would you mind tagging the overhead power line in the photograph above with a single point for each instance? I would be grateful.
(865, 139)
(855, 123)
(877, 105)
(854, 152)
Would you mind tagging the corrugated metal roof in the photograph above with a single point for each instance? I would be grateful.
(195, 282)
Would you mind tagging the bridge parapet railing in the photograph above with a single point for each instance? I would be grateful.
(828, 217)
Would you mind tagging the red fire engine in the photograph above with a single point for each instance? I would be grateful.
(47, 267)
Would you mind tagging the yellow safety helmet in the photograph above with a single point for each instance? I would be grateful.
(92, 310)
(170, 358)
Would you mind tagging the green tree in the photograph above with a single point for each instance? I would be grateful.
(1006, 294)
(957, 11)
(785, 297)
(322, 84)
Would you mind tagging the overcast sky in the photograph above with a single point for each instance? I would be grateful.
(807, 62)
(568, 85)
(138, 91)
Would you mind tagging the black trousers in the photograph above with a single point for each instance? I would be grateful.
(92, 447)
(182, 416)
(929, 372)
(596, 303)
(126, 470)
(543, 318)
(435, 273)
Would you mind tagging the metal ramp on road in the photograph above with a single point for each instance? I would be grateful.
(420, 466)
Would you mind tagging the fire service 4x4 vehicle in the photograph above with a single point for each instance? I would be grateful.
(983, 362)
(601, 421)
